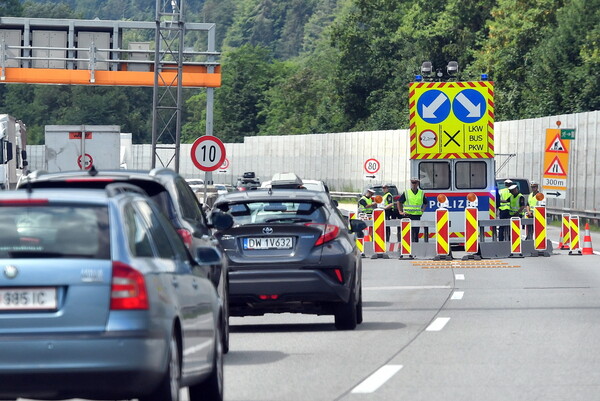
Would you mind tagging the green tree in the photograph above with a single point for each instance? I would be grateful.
(564, 76)
(10, 8)
(246, 76)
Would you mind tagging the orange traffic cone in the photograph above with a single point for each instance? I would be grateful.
(587, 241)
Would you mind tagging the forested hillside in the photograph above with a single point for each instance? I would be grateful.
(311, 66)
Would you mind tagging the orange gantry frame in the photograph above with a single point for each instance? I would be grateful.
(193, 76)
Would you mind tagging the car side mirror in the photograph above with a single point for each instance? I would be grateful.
(206, 256)
(336, 203)
(221, 221)
(357, 226)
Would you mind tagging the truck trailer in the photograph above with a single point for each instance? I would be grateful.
(13, 151)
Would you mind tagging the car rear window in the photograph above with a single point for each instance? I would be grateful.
(260, 212)
(47, 231)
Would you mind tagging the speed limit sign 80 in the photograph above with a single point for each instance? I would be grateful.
(208, 153)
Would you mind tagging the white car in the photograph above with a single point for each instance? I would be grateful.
(195, 183)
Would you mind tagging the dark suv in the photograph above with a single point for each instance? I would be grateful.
(174, 198)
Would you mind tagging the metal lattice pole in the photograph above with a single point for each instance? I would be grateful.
(168, 89)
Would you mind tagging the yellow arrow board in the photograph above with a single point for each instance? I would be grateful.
(451, 120)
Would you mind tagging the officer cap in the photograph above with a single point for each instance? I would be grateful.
(533, 184)
(514, 186)
(414, 179)
(371, 190)
(385, 186)
(507, 182)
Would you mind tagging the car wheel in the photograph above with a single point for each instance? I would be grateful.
(168, 389)
(359, 311)
(211, 389)
(345, 314)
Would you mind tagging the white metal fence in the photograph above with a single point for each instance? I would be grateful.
(339, 158)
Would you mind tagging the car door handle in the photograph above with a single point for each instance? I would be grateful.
(174, 282)
(195, 284)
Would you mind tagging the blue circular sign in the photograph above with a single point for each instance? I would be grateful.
(469, 106)
(433, 106)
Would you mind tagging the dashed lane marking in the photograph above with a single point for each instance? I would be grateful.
(438, 324)
(377, 379)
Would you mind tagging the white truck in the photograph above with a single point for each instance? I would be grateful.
(13, 151)
(78, 147)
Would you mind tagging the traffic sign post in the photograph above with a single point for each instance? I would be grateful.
(556, 164)
(371, 167)
(208, 153)
(567, 133)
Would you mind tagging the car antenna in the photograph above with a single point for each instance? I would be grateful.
(92, 171)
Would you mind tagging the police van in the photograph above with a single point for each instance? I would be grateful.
(452, 148)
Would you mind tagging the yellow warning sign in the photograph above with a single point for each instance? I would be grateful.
(556, 164)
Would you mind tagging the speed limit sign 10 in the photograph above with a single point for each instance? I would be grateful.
(208, 153)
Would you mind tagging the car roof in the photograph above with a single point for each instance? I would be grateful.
(71, 195)
(281, 195)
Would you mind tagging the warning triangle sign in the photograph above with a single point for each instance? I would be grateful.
(557, 146)
(556, 168)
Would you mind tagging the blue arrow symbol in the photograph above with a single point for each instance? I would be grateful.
(474, 110)
(429, 111)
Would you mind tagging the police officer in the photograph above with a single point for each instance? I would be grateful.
(531, 204)
(504, 208)
(366, 204)
(516, 201)
(391, 210)
(412, 203)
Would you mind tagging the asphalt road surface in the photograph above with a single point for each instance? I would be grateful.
(508, 329)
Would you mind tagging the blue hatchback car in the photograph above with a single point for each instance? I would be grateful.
(100, 299)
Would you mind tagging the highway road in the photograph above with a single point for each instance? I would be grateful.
(509, 329)
(524, 329)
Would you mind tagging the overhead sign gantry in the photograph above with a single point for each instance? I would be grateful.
(90, 52)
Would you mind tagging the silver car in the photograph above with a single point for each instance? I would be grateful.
(100, 299)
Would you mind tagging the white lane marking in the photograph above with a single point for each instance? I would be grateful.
(459, 276)
(457, 295)
(409, 287)
(438, 324)
(377, 379)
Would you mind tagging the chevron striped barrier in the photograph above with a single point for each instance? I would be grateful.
(471, 233)
(405, 239)
(379, 234)
(515, 238)
(442, 224)
(574, 236)
(539, 231)
(565, 232)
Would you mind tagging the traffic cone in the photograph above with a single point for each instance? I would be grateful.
(587, 241)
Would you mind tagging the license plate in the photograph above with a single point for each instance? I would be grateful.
(28, 298)
(268, 243)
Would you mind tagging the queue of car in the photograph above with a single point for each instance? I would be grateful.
(119, 285)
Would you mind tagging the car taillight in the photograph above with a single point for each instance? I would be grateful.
(128, 288)
(330, 231)
(186, 236)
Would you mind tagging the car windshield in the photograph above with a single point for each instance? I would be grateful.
(259, 212)
(54, 231)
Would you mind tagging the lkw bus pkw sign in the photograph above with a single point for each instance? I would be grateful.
(208, 153)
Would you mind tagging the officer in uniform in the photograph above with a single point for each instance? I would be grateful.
(366, 204)
(531, 204)
(516, 201)
(391, 211)
(504, 208)
(412, 203)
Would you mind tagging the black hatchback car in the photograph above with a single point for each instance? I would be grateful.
(290, 250)
(174, 198)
